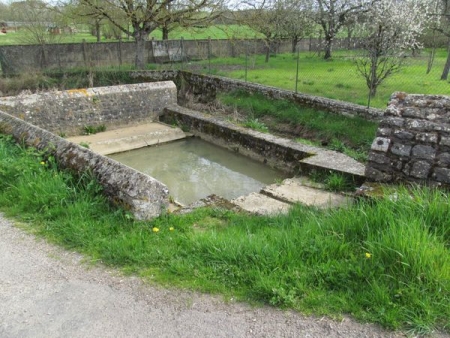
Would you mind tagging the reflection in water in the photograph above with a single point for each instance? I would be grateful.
(193, 169)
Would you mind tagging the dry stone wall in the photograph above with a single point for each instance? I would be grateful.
(413, 141)
(143, 195)
(69, 111)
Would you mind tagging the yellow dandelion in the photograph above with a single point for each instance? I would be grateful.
(171, 229)
(155, 229)
(368, 255)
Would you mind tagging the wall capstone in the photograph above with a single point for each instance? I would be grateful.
(412, 141)
(143, 195)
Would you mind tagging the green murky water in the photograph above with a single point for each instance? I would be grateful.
(194, 169)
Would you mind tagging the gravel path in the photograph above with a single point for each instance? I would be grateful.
(46, 291)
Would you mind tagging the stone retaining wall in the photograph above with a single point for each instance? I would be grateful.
(413, 141)
(69, 111)
(205, 87)
(144, 196)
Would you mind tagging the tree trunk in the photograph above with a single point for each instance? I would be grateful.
(267, 52)
(328, 45)
(444, 75)
(294, 44)
(140, 61)
(97, 30)
(165, 33)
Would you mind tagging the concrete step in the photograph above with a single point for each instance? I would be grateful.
(260, 204)
(293, 190)
(129, 138)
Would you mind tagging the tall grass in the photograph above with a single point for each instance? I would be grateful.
(385, 261)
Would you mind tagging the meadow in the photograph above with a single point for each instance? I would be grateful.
(337, 78)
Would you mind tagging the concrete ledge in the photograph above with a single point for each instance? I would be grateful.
(143, 195)
(129, 138)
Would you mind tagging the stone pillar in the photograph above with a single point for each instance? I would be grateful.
(412, 141)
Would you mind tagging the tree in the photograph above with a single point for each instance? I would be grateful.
(295, 20)
(442, 25)
(144, 16)
(331, 15)
(264, 17)
(390, 29)
(38, 20)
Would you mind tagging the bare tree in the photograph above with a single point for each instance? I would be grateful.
(390, 29)
(264, 17)
(144, 16)
(39, 21)
(332, 15)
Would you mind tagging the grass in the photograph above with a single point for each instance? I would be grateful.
(334, 131)
(338, 78)
(195, 33)
(384, 261)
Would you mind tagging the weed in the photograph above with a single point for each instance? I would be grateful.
(85, 144)
(255, 124)
(89, 130)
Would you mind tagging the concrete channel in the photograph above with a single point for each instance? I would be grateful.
(272, 199)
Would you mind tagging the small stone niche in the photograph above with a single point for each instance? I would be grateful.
(413, 141)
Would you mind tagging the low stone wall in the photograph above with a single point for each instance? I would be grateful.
(144, 196)
(69, 111)
(205, 87)
(413, 141)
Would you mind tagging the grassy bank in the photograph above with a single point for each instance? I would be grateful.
(319, 128)
(384, 261)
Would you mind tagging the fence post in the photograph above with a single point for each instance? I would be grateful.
(296, 74)
(182, 51)
(209, 54)
(246, 60)
(120, 52)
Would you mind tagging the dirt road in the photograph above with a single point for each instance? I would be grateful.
(48, 292)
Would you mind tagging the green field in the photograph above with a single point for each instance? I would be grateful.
(213, 32)
(335, 79)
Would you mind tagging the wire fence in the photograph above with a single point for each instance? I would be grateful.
(298, 67)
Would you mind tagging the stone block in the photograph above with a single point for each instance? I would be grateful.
(414, 113)
(427, 137)
(401, 150)
(402, 134)
(379, 158)
(381, 144)
(442, 175)
(445, 141)
(443, 159)
(392, 122)
(424, 152)
(420, 169)
(384, 132)
(377, 175)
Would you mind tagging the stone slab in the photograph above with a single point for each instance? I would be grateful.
(129, 138)
(260, 204)
(292, 191)
(335, 161)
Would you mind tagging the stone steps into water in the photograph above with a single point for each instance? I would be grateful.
(129, 138)
(277, 198)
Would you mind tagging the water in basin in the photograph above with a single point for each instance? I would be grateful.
(193, 169)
